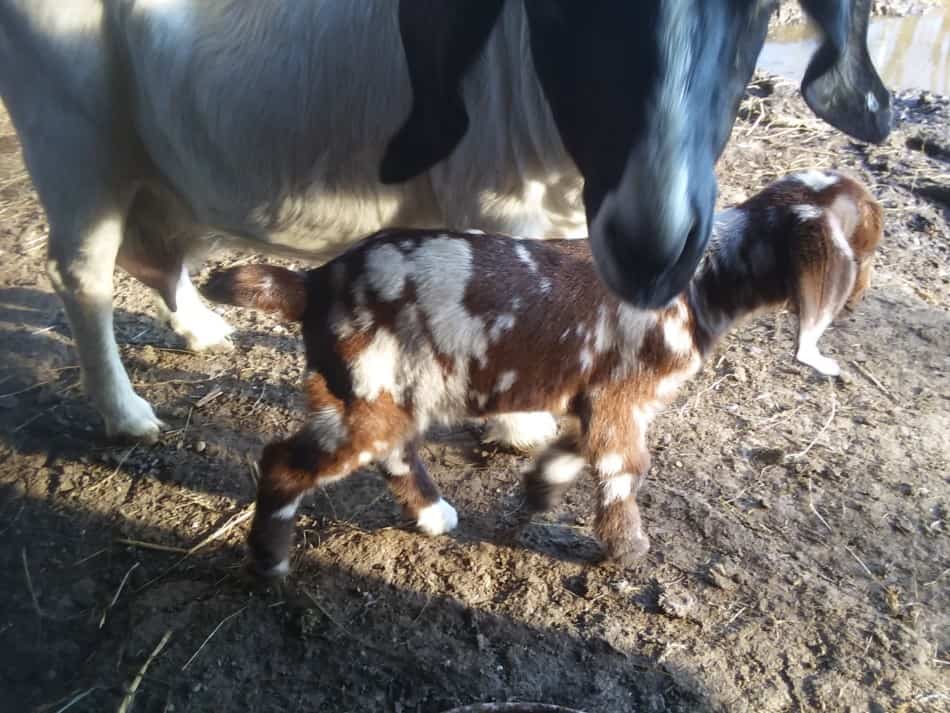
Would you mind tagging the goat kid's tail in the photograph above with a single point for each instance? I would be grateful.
(265, 287)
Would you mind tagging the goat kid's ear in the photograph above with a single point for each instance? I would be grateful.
(841, 84)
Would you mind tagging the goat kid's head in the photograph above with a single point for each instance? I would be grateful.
(645, 94)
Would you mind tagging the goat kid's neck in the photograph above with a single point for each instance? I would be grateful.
(743, 273)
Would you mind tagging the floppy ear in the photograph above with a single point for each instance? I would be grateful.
(841, 85)
(441, 40)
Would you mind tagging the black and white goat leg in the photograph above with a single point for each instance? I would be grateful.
(550, 476)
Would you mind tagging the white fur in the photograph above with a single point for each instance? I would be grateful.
(837, 236)
(395, 463)
(808, 352)
(563, 468)
(364, 458)
(387, 270)
(505, 381)
(327, 428)
(281, 569)
(374, 369)
(676, 336)
(806, 212)
(200, 327)
(522, 431)
(610, 465)
(437, 519)
(501, 324)
(815, 180)
(616, 488)
(288, 511)
(872, 102)
(525, 256)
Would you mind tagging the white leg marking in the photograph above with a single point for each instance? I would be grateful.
(437, 519)
(610, 465)
(563, 468)
(364, 458)
(522, 431)
(808, 354)
(505, 380)
(280, 569)
(200, 327)
(617, 488)
(288, 511)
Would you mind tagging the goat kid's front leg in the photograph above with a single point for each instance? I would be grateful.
(416, 492)
(616, 446)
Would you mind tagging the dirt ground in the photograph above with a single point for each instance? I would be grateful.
(800, 524)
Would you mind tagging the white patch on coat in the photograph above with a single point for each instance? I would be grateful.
(525, 256)
(437, 518)
(815, 180)
(677, 337)
(837, 236)
(395, 463)
(387, 270)
(501, 324)
(325, 425)
(374, 369)
(667, 387)
(505, 380)
(616, 488)
(806, 212)
(872, 102)
(586, 359)
(364, 457)
(603, 336)
(610, 465)
(442, 269)
(727, 223)
(563, 468)
(288, 511)
(280, 569)
(522, 431)
(380, 445)
(480, 398)
(544, 285)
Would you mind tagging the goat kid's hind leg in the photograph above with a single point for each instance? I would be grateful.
(615, 443)
(289, 470)
(550, 476)
(416, 492)
(822, 294)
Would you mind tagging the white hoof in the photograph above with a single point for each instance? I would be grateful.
(522, 431)
(437, 519)
(820, 363)
(132, 418)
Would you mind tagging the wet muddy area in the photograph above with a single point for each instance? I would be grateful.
(800, 561)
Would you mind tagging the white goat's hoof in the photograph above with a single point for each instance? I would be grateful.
(133, 419)
(821, 364)
(521, 431)
(437, 518)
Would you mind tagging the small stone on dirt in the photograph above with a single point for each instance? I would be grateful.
(676, 601)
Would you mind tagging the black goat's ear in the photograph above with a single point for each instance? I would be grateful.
(841, 85)
(441, 40)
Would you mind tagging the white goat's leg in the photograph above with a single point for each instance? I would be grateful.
(202, 328)
(522, 431)
(80, 266)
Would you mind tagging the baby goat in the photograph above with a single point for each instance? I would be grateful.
(414, 327)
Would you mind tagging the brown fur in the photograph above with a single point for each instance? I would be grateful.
(413, 326)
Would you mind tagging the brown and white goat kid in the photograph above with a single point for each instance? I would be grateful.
(414, 327)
